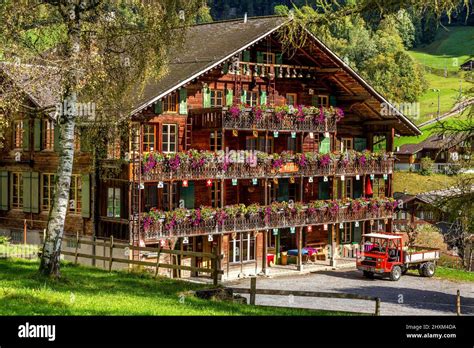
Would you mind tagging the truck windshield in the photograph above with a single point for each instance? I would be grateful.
(375, 245)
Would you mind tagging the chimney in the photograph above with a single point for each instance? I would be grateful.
(245, 17)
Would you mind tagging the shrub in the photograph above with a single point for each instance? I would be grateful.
(4, 240)
(426, 165)
(430, 236)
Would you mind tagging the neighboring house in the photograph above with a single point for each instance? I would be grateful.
(444, 151)
(423, 208)
(225, 66)
(468, 65)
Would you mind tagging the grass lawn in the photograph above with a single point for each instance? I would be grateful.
(18, 250)
(449, 50)
(91, 291)
(416, 183)
(454, 274)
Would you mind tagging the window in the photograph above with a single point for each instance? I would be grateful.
(217, 98)
(273, 192)
(169, 140)
(17, 190)
(291, 144)
(47, 191)
(378, 187)
(429, 215)
(442, 155)
(402, 215)
(258, 144)
(268, 57)
(165, 203)
(216, 195)
(242, 248)
(346, 233)
(170, 103)
(347, 144)
(75, 192)
(48, 134)
(216, 141)
(77, 141)
(252, 98)
(113, 202)
(349, 188)
(113, 148)
(291, 99)
(17, 134)
(148, 137)
(323, 100)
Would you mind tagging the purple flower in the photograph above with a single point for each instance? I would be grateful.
(277, 163)
(302, 162)
(234, 111)
(174, 163)
(362, 160)
(325, 160)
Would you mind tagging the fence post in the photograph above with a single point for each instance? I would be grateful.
(111, 252)
(377, 306)
(24, 232)
(458, 303)
(214, 266)
(77, 247)
(94, 252)
(253, 290)
(157, 267)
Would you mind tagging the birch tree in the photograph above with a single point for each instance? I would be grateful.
(100, 52)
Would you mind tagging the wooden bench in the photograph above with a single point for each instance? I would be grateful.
(322, 253)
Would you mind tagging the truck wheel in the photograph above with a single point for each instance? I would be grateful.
(368, 274)
(428, 269)
(396, 273)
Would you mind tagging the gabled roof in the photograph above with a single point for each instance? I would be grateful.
(207, 46)
(434, 142)
(431, 196)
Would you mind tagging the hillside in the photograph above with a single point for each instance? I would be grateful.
(446, 53)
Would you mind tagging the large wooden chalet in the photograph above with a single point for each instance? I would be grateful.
(243, 146)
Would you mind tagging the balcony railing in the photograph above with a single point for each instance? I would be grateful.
(284, 118)
(184, 223)
(209, 165)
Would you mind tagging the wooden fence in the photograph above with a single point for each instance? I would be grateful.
(215, 258)
(253, 291)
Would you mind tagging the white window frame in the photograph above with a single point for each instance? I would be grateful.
(166, 143)
(235, 245)
(116, 203)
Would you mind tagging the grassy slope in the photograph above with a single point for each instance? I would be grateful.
(449, 48)
(90, 291)
(416, 183)
(454, 274)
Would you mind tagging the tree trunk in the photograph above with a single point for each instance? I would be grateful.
(52, 245)
(66, 121)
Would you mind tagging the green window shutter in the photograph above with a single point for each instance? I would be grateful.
(35, 185)
(158, 107)
(183, 103)
(4, 202)
(27, 192)
(259, 57)
(283, 192)
(325, 145)
(37, 135)
(332, 100)
(360, 144)
(357, 232)
(187, 195)
(86, 196)
(246, 56)
(56, 137)
(206, 97)
(243, 98)
(225, 68)
(26, 134)
(323, 189)
(314, 100)
(85, 141)
(230, 97)
(263, 98)
(278, 61)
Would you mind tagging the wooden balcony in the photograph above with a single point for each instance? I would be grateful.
(215, 169)
(168, 227)
(270, 119)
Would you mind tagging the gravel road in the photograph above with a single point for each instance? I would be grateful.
(411, 295)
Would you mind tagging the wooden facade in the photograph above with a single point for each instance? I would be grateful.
(196, 115)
